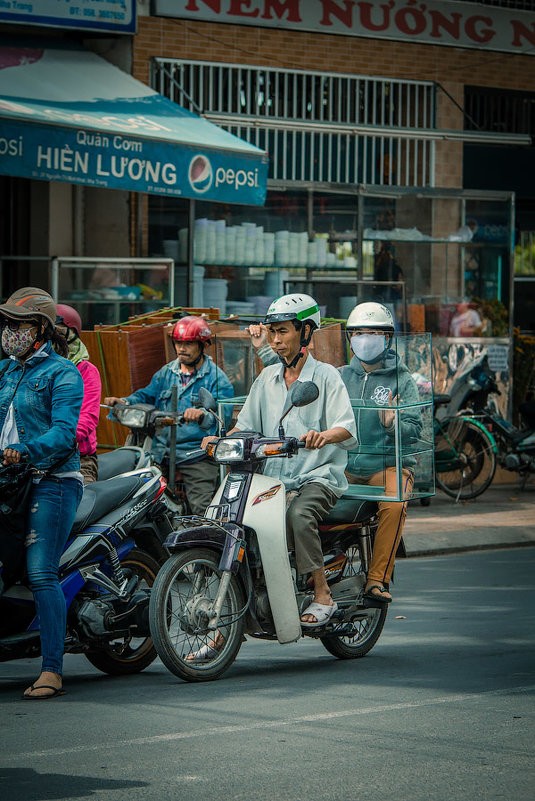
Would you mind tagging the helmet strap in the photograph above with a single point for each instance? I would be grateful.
(301, 353)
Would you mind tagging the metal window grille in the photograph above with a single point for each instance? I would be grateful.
(499, 110)
(316, 126)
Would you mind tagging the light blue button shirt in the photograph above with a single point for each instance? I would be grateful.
(269, 398)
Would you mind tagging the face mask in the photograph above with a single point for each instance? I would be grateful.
(368, 347)
(16, 343)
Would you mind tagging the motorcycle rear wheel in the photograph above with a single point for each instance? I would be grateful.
(185, 588)
(368, 627)
(368, 622)
(134, 655)
(464, 458)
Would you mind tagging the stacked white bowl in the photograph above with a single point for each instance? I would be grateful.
(215, 292)
(282, 247)
(200, 241)
(171, 249)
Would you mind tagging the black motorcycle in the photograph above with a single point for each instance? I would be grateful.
(515, 446)
(108, 566)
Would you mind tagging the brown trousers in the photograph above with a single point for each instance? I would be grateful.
(391, 515)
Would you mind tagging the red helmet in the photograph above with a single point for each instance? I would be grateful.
(191, 329)
(71, 318)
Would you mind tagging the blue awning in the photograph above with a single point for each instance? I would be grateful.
(68, 115)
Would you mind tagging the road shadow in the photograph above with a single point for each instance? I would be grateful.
(26, 784)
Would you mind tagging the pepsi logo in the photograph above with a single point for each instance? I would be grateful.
(200, 174)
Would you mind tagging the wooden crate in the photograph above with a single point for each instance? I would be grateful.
(127, 356)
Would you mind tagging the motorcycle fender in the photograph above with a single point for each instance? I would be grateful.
(485, 431)
(195, 536)
(265, 513)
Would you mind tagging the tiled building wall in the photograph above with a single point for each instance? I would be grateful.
(450, 67)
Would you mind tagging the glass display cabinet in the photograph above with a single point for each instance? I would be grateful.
(106, 291)
(432, 255)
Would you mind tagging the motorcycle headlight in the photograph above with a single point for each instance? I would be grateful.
(229, 450)
(131, 417)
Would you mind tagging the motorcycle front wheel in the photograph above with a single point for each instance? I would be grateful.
(133, 654)
(367, 622)
(464, 459)
(180, 604)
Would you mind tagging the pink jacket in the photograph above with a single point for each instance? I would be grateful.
(86, 433)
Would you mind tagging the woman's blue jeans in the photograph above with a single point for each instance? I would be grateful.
(52, 509)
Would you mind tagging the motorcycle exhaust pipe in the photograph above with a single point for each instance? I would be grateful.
(365, 543)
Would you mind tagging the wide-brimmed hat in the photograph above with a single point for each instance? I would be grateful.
(30, 301)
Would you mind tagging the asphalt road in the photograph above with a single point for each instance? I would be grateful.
(441, 709)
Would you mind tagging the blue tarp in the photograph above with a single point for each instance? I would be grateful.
(68, 115)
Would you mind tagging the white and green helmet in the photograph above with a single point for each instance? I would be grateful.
(294, 307)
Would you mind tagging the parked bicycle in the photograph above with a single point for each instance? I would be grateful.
(465, 453)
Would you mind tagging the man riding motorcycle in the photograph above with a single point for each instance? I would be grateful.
(316, 479)
(375, 377)
(191, 370)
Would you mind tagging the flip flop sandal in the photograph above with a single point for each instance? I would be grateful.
(373, 596)
(322, 612)
(56, 692)
(205, 653)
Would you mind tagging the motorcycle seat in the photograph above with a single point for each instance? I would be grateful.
(350, 510)
(114, 463)
(101, 497)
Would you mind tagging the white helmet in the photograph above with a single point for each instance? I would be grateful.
(294, 307)
(371, 315)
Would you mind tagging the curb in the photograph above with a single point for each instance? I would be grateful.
(444, 550)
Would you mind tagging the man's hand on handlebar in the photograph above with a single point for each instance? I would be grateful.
(318, 439)
(112, 401)
(206, 441)
(314, 439)
(193, 415)
(11, 456)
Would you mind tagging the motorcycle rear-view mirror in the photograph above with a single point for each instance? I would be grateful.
(209, 403)
(301, 394)
(304, 393)
(207, 400)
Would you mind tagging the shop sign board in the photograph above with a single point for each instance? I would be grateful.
(437, 22)
(118, 16)
(121, 161)
(68, 115)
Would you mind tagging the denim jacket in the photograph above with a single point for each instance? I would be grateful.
(47, 392)
(158, 392)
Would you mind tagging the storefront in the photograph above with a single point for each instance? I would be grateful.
(361, 108)
(73, 121)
